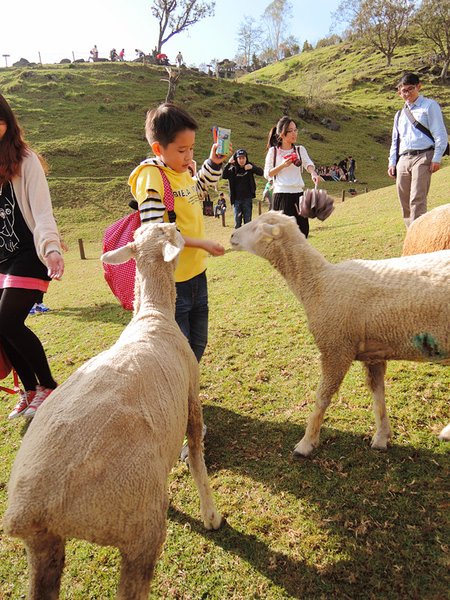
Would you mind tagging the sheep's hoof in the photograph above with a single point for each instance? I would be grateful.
(445, 434)
(379, 445)
(302, 449)
(215, 522)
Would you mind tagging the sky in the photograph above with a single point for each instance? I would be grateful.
(50, 30)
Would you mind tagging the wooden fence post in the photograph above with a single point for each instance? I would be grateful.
(223, 219)
(259, 207)
(80, 245)
(343, 195)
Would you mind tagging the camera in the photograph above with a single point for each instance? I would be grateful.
(295, 159)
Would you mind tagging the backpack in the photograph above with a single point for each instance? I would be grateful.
(120, 278)
(5, 370)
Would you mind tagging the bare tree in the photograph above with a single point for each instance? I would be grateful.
(383, 24)
(173, 82)
(276, 19)
(175, 16)
(433, 18)
(248, 37)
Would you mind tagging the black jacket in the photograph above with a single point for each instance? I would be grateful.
(240, 181)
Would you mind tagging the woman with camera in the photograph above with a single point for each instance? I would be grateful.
(284, 162)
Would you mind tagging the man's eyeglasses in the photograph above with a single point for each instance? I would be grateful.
(408, 90)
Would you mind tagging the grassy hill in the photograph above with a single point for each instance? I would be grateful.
(88, 122)
(347, 523)
(88, 119)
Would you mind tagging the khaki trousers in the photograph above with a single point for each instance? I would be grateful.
(413, 183)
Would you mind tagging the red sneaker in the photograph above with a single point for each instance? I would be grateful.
(26, 398)
(41, 395)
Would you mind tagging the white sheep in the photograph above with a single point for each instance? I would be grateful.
(96, 459)
(366, 310)
(429, 233)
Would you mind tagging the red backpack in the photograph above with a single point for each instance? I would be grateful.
(120, 278)
(5, 370)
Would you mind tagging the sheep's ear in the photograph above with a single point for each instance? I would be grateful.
(170, 252)
(119, 256)
(270, 232)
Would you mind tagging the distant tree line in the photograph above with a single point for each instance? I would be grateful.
(387, 24)
(380, 24)
(383, 25)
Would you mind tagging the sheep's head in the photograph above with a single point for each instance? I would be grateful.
(256, 236)
(151, 243)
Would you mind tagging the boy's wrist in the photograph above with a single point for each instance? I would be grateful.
(213, 165)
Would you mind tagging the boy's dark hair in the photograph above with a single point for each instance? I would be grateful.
(409, 79)
(165, 122)
(221, 194)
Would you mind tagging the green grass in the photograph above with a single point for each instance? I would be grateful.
(347, 523)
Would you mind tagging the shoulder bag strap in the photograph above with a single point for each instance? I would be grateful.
(169, 200)
(417, 124)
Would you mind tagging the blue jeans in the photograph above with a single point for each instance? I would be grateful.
(242, 208)
(191, 312)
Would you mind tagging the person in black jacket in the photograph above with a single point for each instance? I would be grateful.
(241, 181)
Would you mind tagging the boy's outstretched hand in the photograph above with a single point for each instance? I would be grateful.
(214, 248)
(218, 158)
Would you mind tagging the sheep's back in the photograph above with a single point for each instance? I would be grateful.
(429, 233)
(100, 449)
(401, 303)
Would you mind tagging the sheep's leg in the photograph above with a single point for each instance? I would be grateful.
(332, 377)
(211, 518)
(445, 434)
(45, 553)
(139, 560)
(375, 382)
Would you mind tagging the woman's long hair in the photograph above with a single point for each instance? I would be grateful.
(276, 132)
(12, 145)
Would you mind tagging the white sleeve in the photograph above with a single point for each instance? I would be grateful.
(306, 161)
(268, 165)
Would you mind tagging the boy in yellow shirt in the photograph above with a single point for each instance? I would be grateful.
(170, 131)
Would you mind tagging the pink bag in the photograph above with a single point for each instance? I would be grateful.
(120, 278)
(5, 370)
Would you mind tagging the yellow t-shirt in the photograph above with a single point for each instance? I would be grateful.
(188, 210)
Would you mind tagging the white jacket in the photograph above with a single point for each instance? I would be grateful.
(33, 197)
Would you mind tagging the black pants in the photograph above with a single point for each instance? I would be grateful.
(22, 346)
(288, 203)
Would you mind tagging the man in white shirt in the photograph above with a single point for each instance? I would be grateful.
(415, 155)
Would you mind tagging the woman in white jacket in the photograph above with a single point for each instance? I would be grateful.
(284, 164)
(30, 256)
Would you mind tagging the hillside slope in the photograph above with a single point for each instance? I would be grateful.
(88, 119)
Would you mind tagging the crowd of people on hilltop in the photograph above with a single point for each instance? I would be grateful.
(159, 58)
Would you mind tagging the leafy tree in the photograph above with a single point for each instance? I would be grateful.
(175, 16)
(248, 37)
(383, 24)
(307, 47)
(289, 47)
(276, 19)
(433, 18)
(331, 40)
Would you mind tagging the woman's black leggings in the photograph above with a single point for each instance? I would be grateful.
(22, 346)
